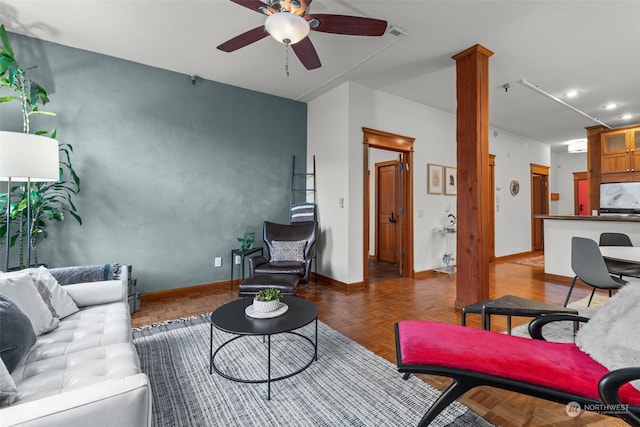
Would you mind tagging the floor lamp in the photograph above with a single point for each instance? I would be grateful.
(26, 158)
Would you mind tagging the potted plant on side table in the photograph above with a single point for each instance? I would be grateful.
(246, 242)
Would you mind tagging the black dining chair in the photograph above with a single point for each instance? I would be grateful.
(618, 267)
(588, 265)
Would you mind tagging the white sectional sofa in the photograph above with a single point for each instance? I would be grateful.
(84, 371)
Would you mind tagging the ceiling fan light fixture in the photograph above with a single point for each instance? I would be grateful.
(286, 28)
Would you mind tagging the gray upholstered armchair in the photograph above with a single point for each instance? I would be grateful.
(290, 248)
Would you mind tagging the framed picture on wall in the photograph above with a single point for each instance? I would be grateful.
(450, 181)
(434, 179)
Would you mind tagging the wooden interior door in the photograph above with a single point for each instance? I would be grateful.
(387, 215)
(539, 204)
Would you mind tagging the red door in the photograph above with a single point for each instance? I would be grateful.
(583, 197)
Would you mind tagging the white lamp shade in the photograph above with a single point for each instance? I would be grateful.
(287, 26)
(26, 157)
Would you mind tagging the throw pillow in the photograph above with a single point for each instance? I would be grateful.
(57, 299)
(8, 389)
(16, 336)
(611, 337)
(288, 251)
(18, 286)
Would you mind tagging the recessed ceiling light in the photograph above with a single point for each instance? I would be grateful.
(572, 93)
(626, 116)
(610, 106)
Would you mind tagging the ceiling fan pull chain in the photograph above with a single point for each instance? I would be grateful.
(286, 59)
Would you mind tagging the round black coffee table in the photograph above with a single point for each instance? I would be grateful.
(231, 318)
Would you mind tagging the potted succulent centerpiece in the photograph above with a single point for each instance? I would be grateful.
(267, 300)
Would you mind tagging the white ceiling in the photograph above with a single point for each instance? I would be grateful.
(590, 46)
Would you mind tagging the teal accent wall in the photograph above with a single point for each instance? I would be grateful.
(172, 173)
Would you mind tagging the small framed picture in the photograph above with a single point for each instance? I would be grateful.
(450, 181)
(434, 179)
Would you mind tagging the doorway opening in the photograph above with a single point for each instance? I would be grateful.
(388, 206)
(385, 245)
(539, 204)
(581, 193)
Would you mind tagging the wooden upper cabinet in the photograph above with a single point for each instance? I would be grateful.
(620, 155)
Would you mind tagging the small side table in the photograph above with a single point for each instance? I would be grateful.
(510, 305)
(242, 255)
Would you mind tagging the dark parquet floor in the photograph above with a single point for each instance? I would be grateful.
(367, 315)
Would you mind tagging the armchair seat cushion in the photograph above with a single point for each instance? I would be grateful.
(557, 366)
(286, 283)
(281, 267)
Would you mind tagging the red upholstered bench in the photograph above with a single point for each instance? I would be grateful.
(472, 357)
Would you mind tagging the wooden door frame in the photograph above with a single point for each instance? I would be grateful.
(579, 176)
(492, 203)
(543, 171)
(402, 144)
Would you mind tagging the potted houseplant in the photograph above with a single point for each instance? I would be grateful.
(49, 200)
(267, 300)
(246, 242)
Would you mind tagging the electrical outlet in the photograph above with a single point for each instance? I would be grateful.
(218, 262)
(237, 260)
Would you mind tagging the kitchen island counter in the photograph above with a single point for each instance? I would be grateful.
(559, 229)
(608, 217)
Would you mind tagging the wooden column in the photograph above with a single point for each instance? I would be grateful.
(594, 169)
(473, 205)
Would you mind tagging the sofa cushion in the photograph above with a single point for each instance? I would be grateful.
(94, 293)
(8, 390)
(57, 299)
(612, 336)
(41, 378)
(90, 327)
(16, 333)
(18, 286)
(288, 251)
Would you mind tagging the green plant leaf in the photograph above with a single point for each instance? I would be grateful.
(5, 63)
(5, 40)
(13, 71)
(76, 216)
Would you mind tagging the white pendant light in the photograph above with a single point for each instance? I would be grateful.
(286, 27)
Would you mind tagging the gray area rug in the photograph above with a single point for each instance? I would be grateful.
(563, 331)
(348, 385)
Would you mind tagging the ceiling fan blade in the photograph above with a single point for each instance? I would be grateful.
(348, 25)
(244, 39)
(306, 53)
(255, 5)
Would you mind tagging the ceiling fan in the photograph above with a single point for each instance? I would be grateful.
(288, 22)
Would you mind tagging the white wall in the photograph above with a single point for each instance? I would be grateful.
(563, 165)
(329, 126)
(514, 156)
(335, 122)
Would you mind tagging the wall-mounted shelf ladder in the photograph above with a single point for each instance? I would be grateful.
(303, 205)
(303, 201)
